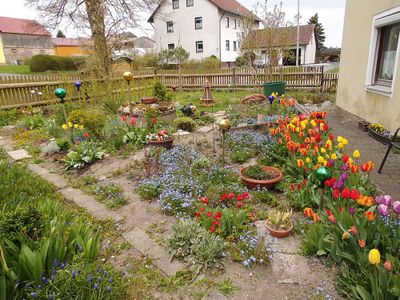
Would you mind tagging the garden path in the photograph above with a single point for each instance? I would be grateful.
(345, 124)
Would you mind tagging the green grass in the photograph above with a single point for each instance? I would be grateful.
(24, 69)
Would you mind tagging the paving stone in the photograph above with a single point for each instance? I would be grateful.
(1, 138)
(160, 258)
(182, 133)
(19, 154)
(58, 180)
(205, 129)
(97, 209)
(220, 113)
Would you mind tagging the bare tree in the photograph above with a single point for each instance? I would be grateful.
(103, 18)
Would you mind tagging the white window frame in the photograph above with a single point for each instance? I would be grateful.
(189, 3)
(227, 22)
(197, 49)
(170, 29)
(201, 23)
(380, 20)
(234, 24)
(173, 4)
(227, 45)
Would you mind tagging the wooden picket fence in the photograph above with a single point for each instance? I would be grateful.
(19, 91)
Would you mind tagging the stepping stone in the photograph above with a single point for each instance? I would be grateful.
(19, 154)
(181, 133)
(205, 129)
(9, 127)
(96, 208)
(58, 180)
(146, 245)
(220, 113)
(1, 138)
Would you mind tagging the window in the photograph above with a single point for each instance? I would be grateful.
(227, 45)
(171, 46)
(234, 46)
(227, 22)
(384, 52)
(170, 26)
(189, 3)
(198, 23)
(234, 24)
(199, 47)
(175, 4)
(14, 50)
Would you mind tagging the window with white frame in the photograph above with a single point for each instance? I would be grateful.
(199, 47)
(234, 24)
(198, 23)
(189, 3)
(384, 51)
(227, 22)
(171, 46)
(234, 46)
(227, 45)
(175, 4)
(170, 26)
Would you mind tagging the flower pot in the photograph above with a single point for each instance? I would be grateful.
(149, 100)
(363, 125)
(166, 144)
(254, 183)
(380, 137)
(280, 233)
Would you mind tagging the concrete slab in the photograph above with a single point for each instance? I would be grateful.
(181, 133)
(146, 245)
(20, 154)
(97, 209)
(1, 137)
(58, 180)
(205, 129)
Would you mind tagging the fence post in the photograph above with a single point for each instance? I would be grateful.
(233, 81)
(322, 79)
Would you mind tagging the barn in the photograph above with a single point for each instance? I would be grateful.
(21, 39)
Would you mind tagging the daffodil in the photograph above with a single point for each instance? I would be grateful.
(64, 126)
(69, 124)
(76, 125)
(374, 257)
(356, 154)
(81, 127)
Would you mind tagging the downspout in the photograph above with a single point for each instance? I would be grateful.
(220, 39)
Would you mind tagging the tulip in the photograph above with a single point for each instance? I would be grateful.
(353, 230)
(336, 194)
(370, 215)
(396, 207)
(64, 126)
(300, 163)
(374, 257)
(332, 219)
(345, 158)
(361, 243)
(352, 210)
(383, 210)
(308, 212)
(345, 235)
(346, 193)
(356, 154)
(386, 199)
(212, 228)
(316, 217)
(354, 194)
(388, 265)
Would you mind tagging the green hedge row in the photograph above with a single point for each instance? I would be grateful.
(43, 63)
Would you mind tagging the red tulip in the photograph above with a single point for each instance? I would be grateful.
(354, 194)
(86, 135)
(332, 218)
(346, 193)
(212, 228)
(345, 158)
(209, 214)
(388, 265)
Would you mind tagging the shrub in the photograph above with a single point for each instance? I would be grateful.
(86, 153)
(43, 63)
(7, 116)
(113, 132)
(185, 123)
(25, 220)
(33, 122)
(160, 91)
(93, 120)
(63, 144)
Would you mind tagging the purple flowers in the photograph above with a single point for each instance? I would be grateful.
(352, 210)
(383, 210)
(396, 207)
(384, 204)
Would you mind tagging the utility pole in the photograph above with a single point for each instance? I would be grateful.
(298, 34)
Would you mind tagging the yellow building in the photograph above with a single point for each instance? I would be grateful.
(369, 81)
(2, 56)
(72, 46)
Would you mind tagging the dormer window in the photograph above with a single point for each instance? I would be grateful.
(189, 3)
(175, 4)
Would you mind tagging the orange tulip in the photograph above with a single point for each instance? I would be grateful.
(361, 243)
(308, 212)
(353, 230)
(370, 215)
(367, 166)
(315, 217)
(300, 163)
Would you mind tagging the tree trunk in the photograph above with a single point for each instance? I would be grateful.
(96, 13)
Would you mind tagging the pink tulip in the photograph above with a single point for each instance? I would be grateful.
(396, 207)
(132, 121)
(383, 210)
(385, 199)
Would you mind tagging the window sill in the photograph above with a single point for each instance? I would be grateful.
(379, 89)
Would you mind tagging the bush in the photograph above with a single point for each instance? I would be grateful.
(43, 63)
(7, 116)
(206, 64)
(63, 144)
(25, 220)
(93, 121)
(185, 123)
(160, 91)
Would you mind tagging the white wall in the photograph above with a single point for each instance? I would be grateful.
(310, 51)
(184, 33)
(231, 34)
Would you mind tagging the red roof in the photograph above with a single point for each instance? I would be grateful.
(231, 6)
(281, 37)
(72, 42)
(22, 26)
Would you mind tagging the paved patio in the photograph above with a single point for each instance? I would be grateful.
(345, 124)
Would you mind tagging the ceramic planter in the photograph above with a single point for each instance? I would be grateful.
(253, 183)
(165, 144)
(280, 233)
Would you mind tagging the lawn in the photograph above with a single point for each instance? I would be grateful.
(24, 69)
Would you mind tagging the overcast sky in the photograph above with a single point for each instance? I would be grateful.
(331, 14)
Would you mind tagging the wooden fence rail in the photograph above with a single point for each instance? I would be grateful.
(19, 91)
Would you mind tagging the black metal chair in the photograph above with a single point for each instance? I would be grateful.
(394, 142)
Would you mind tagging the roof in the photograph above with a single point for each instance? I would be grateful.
(72, 42)
(231, 6)
(259, 39)
(22, 26)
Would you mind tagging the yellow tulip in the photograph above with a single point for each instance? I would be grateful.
(356, 154)
(321, 160)
(76, 125)
(64, 126)
(327, 156)
(334, 156)
(350, 160)
(340, 145)
(313, 123)
(308, 160)
(81, 127)
(340, 139)
(345, 235)
(323, 150)
(374, 257)
(69, 124)
(345, 141)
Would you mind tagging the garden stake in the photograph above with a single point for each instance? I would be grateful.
(128, 77)
(60, 94)
(78, 85)
(224, 125)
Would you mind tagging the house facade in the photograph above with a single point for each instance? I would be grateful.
(204, 28)
(69, 47)
(262, 42)
(369, 81)
(21, 39)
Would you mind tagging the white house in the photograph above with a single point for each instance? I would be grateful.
(202, 27)
(284, 37)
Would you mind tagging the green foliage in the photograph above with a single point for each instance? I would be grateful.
(319, 31)
(136, 136)
(185, 123)
(226, 287)
(33, 122)
(25, 220)
(148, 191)
(265, 196)
(86, 153)
(44, 62)
(50, 148)
(206, 119)
(63, 144)
(279, 220)
(202, 65)
(113, 132)
(8, 116)
(31, 137)
(92, 121)
(174, 56)
(315, 241)
(184, 236)
(258, 173)
(160, 91)
(241, 156)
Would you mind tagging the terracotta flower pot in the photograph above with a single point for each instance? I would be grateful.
(280, 233)
(254, 183)
(166, 144)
